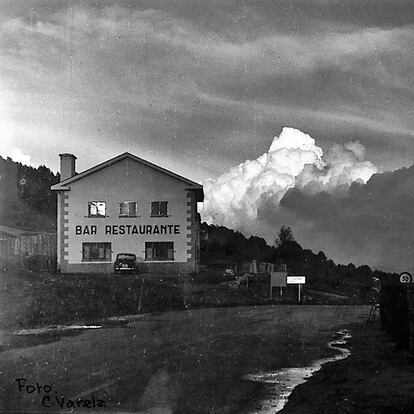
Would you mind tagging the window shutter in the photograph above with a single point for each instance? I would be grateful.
(154, 208)
(133, 208)
(108, 251)
(94, 251)
(123, 209)
(92, 209)
(163, 208)
(101, 208)
(86, 252)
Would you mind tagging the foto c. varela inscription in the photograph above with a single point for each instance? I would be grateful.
(50, 398)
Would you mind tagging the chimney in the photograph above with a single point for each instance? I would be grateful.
(67, 166)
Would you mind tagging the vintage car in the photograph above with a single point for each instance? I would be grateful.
(126, 262)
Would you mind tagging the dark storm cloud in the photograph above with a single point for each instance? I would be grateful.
(226, 16)
(372, 224)
(206, 77)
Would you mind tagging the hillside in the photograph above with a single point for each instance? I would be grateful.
(26, 201)
(221, 246)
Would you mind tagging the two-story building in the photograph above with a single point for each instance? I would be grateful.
(126, 205)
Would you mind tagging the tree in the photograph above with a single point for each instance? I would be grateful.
(26, 200)
(285, 235)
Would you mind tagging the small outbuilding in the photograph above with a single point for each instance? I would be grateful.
(126, 205)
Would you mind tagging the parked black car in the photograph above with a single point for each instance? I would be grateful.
(126, 262)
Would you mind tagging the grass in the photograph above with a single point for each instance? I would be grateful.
(90, 297)
(33, 299)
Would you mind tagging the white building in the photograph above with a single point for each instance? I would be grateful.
(126, 205)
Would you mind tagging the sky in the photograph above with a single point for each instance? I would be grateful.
(200, 87)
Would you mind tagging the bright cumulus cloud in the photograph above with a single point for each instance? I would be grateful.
(293, 161)
(16, 154)
(8, 138)
(19, 156)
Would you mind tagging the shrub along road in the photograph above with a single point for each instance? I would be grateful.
(179, 361)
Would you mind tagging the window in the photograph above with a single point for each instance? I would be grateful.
(126, 256)
(159, 209)
(159, 251)
(96, 251)
(96, 209)
(128, 209)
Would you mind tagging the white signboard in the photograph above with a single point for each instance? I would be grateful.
(296, 280)
(406, 277)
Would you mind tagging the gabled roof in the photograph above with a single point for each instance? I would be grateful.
(63, 185)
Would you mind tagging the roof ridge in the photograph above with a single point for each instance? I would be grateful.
(107, 163)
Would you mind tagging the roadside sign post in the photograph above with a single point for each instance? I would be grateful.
(277, 279)
(296, 280)
(140, 296)
(406, 277)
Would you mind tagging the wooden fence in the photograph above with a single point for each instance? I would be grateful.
(34, 252)
(260, 267)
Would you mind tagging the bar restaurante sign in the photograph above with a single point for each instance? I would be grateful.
(128, 229)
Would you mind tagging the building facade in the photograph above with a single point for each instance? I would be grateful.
(126, 205)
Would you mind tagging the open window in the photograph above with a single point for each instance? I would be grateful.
(96, 209)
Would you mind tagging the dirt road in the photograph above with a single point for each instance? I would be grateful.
(174, 362)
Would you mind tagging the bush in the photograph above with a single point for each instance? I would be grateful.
(40, 262)
(213, 276)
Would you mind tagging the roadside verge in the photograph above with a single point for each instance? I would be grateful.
(376, 378)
